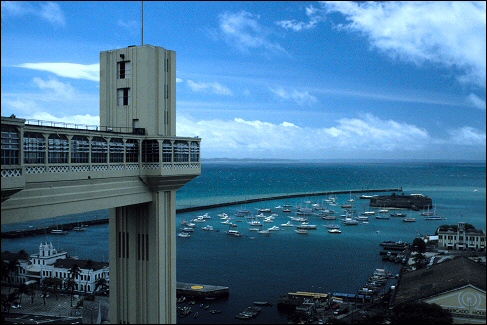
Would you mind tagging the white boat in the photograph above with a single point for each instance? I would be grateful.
(184, 234)
(188, 229)
(350, 222)
(254, 229)
(397, 214)
(234, 233)
(329, 217)
(334, 231)
(265, 231)
(333, 226)
(368, 213)
(287, 224)
(428, 212)
(409, 219)
(205, 216)
(255, 223)
(301, 231)
(306, 225)
(300, 219)
(274, 228)
(198, 219)
(58, 232)
(207, 227)
(382, 216)
(435, 217)
(77, 228)
(363, 218)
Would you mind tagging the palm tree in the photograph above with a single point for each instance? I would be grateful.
(102, 284)
(32, 291)
(57, 283)
(46, 283)
(12, 268)
(70, 285)
(23, 288)
(8, 299)
(74, 272)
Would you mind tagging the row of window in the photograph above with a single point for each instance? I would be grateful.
(78, 149)
(460, 238)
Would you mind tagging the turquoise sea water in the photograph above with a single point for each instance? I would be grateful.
(258, 267)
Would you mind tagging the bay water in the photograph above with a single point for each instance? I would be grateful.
(257, 267)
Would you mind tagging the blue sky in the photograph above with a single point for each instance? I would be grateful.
(297, 80)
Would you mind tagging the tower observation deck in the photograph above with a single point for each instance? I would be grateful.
(132, 164)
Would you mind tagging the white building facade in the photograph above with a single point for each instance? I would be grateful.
(51, 263)
(461, 238)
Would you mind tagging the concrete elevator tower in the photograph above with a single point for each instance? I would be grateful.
(138, 95)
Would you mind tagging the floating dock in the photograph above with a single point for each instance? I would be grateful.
(201, 291)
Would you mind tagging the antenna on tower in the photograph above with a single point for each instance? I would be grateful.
(142, 23)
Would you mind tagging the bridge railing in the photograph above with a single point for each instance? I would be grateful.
(43, 152)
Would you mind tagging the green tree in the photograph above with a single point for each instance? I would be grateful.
(419, 245)
(8, 299)
(420, 313)
(419, 261)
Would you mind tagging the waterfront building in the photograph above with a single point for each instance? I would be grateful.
(51, 263)
(457, 285)
(461, 238)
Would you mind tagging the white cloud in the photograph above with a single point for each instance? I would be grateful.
(213, 87)
(315, 16)
(67, 121)
(300, 97)
(452, 34)
(467, 136)
(55, 87)
(67, 70)
(476, 101)
(49, 11)
(367, 136)
(243, 31)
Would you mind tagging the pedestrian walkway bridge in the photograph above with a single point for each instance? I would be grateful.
(52, 169)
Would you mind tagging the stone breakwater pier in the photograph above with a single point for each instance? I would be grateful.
(378, 199)
(286, 196)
